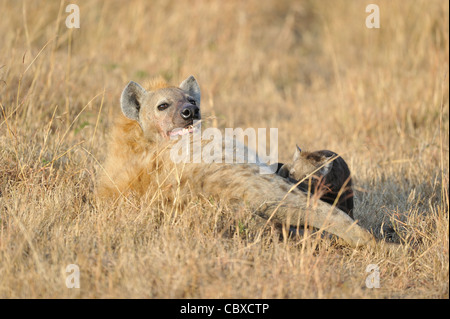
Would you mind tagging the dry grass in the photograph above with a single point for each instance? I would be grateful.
(311, 69)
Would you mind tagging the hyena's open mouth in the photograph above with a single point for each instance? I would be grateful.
(182, 131)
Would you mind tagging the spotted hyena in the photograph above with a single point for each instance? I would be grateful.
(324, 173)
(139, 162)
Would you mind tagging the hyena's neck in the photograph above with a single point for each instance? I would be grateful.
(127, 136)
(129, 164)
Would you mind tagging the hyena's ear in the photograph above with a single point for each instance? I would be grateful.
(191, 87)
(131, 99)
(298, 152)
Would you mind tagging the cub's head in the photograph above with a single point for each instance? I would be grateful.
(165, 110)
(304, 163)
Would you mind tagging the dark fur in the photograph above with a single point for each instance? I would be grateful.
(328, 185)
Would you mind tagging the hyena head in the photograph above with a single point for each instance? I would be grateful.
(168, 111)
(304, 163)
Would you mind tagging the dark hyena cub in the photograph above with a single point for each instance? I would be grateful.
(327, 172)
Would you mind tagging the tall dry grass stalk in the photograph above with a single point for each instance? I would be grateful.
(379, 97)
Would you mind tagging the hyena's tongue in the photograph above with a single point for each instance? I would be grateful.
(182, 131)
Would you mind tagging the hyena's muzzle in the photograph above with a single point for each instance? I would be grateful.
(184, 120)
(190, 112)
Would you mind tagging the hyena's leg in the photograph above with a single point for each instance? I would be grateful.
(268, 194)
(321, 216)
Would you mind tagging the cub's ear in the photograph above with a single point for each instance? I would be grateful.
(191, 87)
(130, 100)
(297, 154)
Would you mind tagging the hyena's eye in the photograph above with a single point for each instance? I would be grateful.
(163, 106)
(192, 101)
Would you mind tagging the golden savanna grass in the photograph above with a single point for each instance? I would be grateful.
(312, 69)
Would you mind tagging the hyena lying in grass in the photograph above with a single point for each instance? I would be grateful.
(139, 162)
(324, 173)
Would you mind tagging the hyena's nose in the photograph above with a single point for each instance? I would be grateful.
(190, 112)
